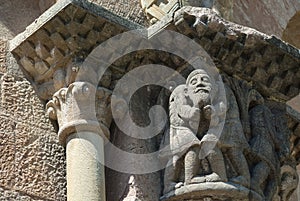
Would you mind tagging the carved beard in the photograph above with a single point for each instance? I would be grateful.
(200, 99)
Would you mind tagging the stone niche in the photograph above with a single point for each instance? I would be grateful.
(253, 158)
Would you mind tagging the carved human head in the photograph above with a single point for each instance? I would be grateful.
(199, 81)
(199, 86)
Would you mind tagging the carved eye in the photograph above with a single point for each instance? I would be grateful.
(193, 81)
(205, 79)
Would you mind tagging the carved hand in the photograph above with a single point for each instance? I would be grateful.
(209, 111)
(195, 114)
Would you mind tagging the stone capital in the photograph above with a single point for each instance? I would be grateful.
(74, 109)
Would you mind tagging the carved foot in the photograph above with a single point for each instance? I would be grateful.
(197, 180)
(240, 180)
(178, 185)
(213, 177)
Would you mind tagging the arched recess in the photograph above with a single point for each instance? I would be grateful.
(291, 34)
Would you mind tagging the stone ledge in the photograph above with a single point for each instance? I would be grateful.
(68, 31)
(269, 63)
(218, 191)
(72, 28)
(60, 6)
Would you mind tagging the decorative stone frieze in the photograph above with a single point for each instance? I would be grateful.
(67, 32)
(252, 159)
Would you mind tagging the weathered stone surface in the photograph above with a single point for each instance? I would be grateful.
(210, 191)
(245, 52)
(269, 16)
(126, 186)
(13, 22)
(131, 10)
(74, 109)
(45, 4)
(191, 110)
(241, 51)
(32, 161)
(253, 150)
(69, 26)
(3, 51)
(236, 50)
(295, 104)
(85, 167)
(291, 33)
(6, 194)
(296, 194)
(277, 17)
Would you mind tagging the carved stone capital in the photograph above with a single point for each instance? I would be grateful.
(74, 109)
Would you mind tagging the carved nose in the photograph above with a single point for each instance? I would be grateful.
(200, 85)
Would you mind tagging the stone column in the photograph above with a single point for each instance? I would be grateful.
(83, 136)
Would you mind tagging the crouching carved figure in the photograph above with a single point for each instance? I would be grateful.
(190, 117)
(195, 114)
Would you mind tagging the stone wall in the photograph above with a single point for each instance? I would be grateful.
(129, 9)
(269, 16)
(292, 32)
(16, 16)
(2, 56)
(32, 163)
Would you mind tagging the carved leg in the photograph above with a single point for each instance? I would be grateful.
(260, 174)
(217, 164)
(191, 164)
(240, 165)
(172, 173)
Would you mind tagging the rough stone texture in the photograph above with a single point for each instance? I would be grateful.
(236, 50)
(12, 22)
(245, 52)
(129, 9)
(133, 187)
(32, 161)
(45, 4)
(71, 29)
(6, 194)
(3, 52)
(268, 16)
(254, 141)
(292, 34)
(273, 17)
(241, 51)
(295, 103)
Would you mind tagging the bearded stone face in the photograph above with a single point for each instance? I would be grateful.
(199, 88)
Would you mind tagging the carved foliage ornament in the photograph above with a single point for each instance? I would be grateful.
(74, 109)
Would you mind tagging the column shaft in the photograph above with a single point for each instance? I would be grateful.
(85, 167)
